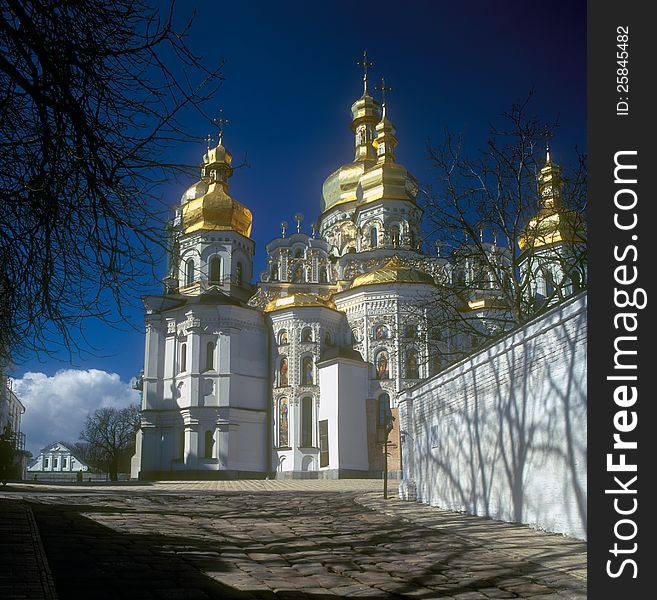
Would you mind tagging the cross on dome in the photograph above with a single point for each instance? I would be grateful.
(220, 121)
(365, 63)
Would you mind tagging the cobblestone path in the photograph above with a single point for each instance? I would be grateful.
(192, 542)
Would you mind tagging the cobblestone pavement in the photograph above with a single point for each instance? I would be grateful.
(279, 539)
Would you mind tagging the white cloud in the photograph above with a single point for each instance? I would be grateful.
(56, 407)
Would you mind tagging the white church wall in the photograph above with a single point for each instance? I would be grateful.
(343, 391)
(503, 433)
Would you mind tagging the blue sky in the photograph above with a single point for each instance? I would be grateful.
(291, 76)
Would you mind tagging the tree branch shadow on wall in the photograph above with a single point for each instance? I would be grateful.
(522, 417)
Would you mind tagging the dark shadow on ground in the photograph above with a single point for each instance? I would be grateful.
(324, 539)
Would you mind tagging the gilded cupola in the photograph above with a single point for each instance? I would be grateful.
(341, 185)
(207, 205)
(553, 222)
(387, 179)
(394, 271)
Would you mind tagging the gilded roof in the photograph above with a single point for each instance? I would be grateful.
(207, 205)
(298, 300)
(394, 271)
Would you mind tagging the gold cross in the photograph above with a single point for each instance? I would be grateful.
(220, 121)
(383, 88)
(365, 63)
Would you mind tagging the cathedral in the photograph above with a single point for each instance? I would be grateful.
(298, 375)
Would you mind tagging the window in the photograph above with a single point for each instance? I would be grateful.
(64, 462)
(183, 358)
(298, 274)
(374, 237)
(383, 410)
(327, 339)
(410, 331)
(307, 334)
(209, 444)
(274, 271)
(380, 332)
(306, 422)
(381, 363)
(307, 370)
(412, 369)
(283, 438)
(394, 235)
(215, 269)
(282, 372)
(189, 272)
(323, 444)
(238, 274)
(55, 462)
(46, 462)
(282, 338)
(209, 356)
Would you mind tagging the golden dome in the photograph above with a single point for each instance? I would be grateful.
(297, 300)
(394, 271)
(341, 185)
(553, 223)
(207, 205)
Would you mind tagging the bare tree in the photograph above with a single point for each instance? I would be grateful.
(508, 229)
(90, 98)
(110, 436)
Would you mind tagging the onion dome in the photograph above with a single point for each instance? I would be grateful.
(554, 222)
(387, 179)
(298, 300)
(394, 271)
(341, 185)
(207, 205)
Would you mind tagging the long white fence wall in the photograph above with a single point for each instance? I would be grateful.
(503, 433)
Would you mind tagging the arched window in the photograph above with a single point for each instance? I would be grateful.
(274, 271)
(282, 338)
(322, 275)
(374, 237)
(238, 274)
(307, 370)
(182, 367)
(189, 277)
(381, 363)
(307, 334)
(306, 422)
(327, 339)
(215, 269)
(298, 253)
(383, 410)
(209, 444)
(412, 369)
(410, 331)
(283, 437)
(209, 356)
(394, 235)
(282, 372)
(297, 274)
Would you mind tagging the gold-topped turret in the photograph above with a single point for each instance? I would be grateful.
(553, 223)
(214, 209)
(340, 186)
(387, 179)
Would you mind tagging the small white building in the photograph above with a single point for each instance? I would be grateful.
(56, 458)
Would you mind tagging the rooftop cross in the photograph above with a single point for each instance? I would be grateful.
(383, 88)
(220, 121)
(365, 63)
(209, 139)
